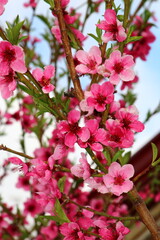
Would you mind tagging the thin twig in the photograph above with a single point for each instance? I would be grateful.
(4, 148)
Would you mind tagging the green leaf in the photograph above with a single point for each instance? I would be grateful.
(26, 90)
(133, 39)
(44, 20)
(61, 183)
(154, 152)
(125, 159)
(117, 155)
(93, 36)
(107, 156)
(50, 2)
(156, 162)
(13, 31)
(99, 31)
(59, 212)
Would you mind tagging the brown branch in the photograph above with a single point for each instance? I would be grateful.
(4, 148)
(144, 213)
(67, 49)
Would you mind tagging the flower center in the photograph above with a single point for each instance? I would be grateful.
(126, 123)
(115, 138)
(112, 28)
(44, 82)
(91, 65)
(101, 99)
(74, 127)
(118, 67)
(119, 180)
(9, 55)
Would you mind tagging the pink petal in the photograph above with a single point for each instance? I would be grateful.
(84, 134)
(110, 16)
(114, 169)
(18, 66)
(114, 79)
(127, 186)
(95, 89)
(108, 36)
(49, 71)
(127, 75)
(95, 54)
(4, 69)
(37, 74)
(127, 171)
(18, 52)
(92, 125)
(96, 147)
(48, 88)
(127, 61)
(81, 68)
(70, 139)
(73, 116)
(82, 57)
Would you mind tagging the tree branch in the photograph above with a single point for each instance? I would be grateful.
(67, 49)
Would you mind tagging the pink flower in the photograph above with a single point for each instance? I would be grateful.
(88, 61)
(117, 180)
(44, 77)
(72, 130)
(112, 26)
(32, 207)
(128, 118)
(50, 231)
(31, 3)
(2, 3)
(11, 57)
(71, 231)
(120, 67)
(116, 136)
(7, 84)
(23, 182)
(83, 169)
(18, 161)
(97, 183)
(101, 95)
(97, 135)
(113, 232)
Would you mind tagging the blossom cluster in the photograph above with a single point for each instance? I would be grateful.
(73, 200)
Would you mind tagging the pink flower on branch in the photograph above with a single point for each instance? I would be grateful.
(101, 96)
(44, 77)
(116, 136)
(97, 135)
(31, 3)
(120, 67)
(113, 232)
(72, 130)
(112, 26)
(88, 61)
(117, 180)
(83, 169)
(7, 84)
(11, 57)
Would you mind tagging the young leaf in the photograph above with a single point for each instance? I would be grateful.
(59, 212)
(61, 183)
(117, 155)
(154, 152)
